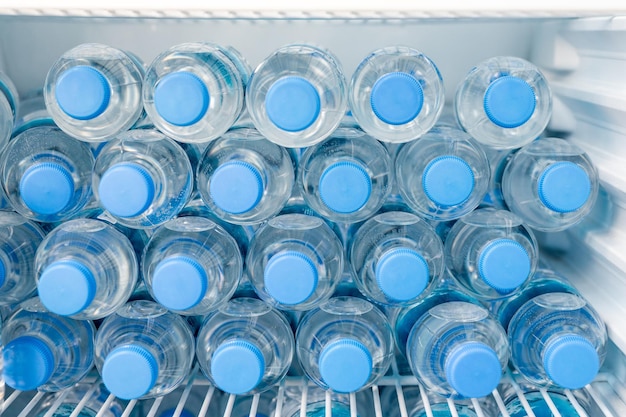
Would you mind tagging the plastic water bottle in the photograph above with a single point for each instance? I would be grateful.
(46, 174)
(347, 177)
(191, 265)
(142, 178)
(444, 175)
(65, 403)
(396, 94)
(491, 253)
(297, 96)
(551, 184)
(193, 92)
(344, 345)
(93, 91)
(44, 351)
(85, 269)
(244, 178)
(416, 406)
(396, 257)
(544, 281)
(538, 404)
(9, 105)
(193, 403)
(504, 102)
(32, 113)
(143, 351)
(315, 404)
(245, 347)
(454, 346)
(498, 160)
(295, 262)
(19, 239)
(551, 332)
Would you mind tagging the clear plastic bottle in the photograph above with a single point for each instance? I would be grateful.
(244, 178)
(557, 339)
(19, 240)
(85, 269)
(544, 281)
(9, 106)
(44, 351)
(142, 178)
(397, 258)
(295, 262)
(93, 92)
(444, 175)
(551, 184)
(491, 253)
(193, 92)
(143, 351)
(297, 96)
(46, 174)
(191, 265)
(347, 177)
(32, 113)
(396, 94)
(504, 102)
(245, 347)
(71, 399)
(344, 345)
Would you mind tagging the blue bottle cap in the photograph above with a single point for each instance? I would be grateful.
(82, 92)
(345, 365)
(504, 264)
(345, 187)
(28, 363)
(290, 277)
(402, 274)
(292, 104)
(46, 188)
(179, 282)
(66, 287)
(448, 180)
(397, 98)
(126, 189)
(170, 413)
(181, 98)
(3, 273)
(571, 361)
(130, 371)
(509, 101)
(237, 366)
(473, 369)
(236, 187)
(564, 187)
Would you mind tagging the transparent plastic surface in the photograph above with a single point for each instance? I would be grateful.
(244, 178)
(142, 178)
(93, 92)
(143, 351)
(498, 159)
(557, 339)
(72, 398)
(297, 96)
(504, 102)
(396, 94)
(344, 345)
(397, 258)
(295, 262)
(539, 406)
(458, 350)
(551, 184)
(9, 106)
(191, 265)
(347, 177)
(46, 174)
(444, 175)
(45, 351)
(19, 239)
(246, 347)
(491, 253)
(194, 92)
(32, 113)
